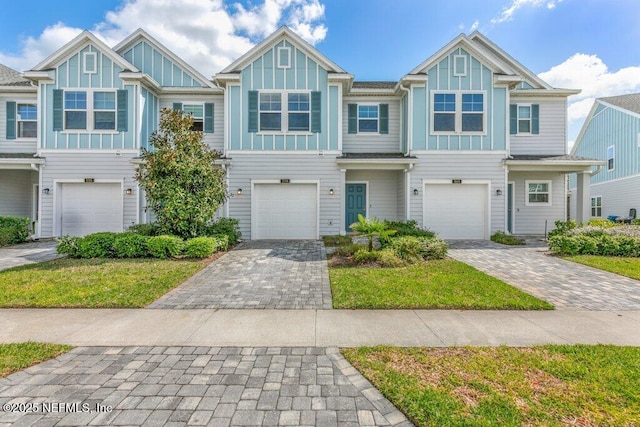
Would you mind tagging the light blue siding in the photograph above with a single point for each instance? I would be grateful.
(149, 117)
(151, 61)
(235, 117)
(334, 107)
(405, 125)
(419, 118)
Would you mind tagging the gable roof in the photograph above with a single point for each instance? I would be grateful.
(10, 77)
(282, 33)
(373, 85)
(80, 40)
(140, 35)
(629, 102)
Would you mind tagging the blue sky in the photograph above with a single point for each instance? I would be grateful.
(592, 45)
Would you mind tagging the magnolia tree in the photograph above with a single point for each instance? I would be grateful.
(184, 187)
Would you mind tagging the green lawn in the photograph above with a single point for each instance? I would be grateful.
(14, 357)
(93, 283)
(625, 266)
(551, 385)
(437, 284)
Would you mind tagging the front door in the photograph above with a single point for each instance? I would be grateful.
(356, 203)
(510, 207)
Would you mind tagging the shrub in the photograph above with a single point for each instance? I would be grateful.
(13, 229)
(600, 222)
(364, 256)
(151, 229)
(68, 245)
(388, 258)
(407, 228)
(200, 247)
(221, 242)
(130, 245)
(97, 245)
(337, 240)
(635, 221)
(226, 226)
(348, 250)
(562, 227)
(408, 248)
(165, 246)
(371, 228)
(506, 239)
(434, 249)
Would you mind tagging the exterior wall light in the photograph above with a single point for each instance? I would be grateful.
(415, 191)
(498, 192)
(45, 191)
(239, 192)
(128, 191)
(331, 191)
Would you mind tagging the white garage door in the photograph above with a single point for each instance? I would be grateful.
(90, 207)
(456, 211)
(285, 211)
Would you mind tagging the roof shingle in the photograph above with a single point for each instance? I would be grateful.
(373, 85)
(10, 77)
(629, 102)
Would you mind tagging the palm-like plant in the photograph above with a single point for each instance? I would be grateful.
(370, 228)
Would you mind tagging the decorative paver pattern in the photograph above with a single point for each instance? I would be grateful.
(228, 386)
(273, 274)
(27, 253)
(567, 285)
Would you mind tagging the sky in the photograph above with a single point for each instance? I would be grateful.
(592, 45)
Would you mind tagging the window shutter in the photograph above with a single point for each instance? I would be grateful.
(353, 118)
(513, 119)
(316, 101)
(11, 120)
(535, 121)
(122, 116)
(208, 117)
(177, 106)
(253, 111)
(384, 118)
(57, 109)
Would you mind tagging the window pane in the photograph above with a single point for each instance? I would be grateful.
(299, 121)
(472, 102)
(104, 120)
(444, 122)
(524, 112)
(197, 111)
(270, 102)
(368, 111)
(104, 100)
(538, 198)
(472, 122)
(75, 100)
(197, 125)
(27, 129)
(270, 121)
(298, 102)
(524, 126)
(75, 120)
(367, 125)
(27, 112)
(444, 102)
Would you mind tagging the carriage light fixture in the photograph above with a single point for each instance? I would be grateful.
(128, 191)
(239, 192)
(331, 191)
(415, 191)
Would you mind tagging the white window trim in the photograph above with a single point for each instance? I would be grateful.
(114, 111)
(519, 133)
(537, 181)
(613, 157)
(596, 206)
(89, 111)
(195, 103)
(456, 73)
(85, 70)
(284, 113)
(31, 102)
(367, 104)
(288, 51)
(458, 112)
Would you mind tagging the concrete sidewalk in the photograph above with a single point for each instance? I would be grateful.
(317, 328)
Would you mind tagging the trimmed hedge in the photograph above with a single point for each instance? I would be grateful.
(97, 245)
(413, 249)
(165, 246)
(13, 229)
(224, 226)
(200, 247)
(131, 245)
(618, 240)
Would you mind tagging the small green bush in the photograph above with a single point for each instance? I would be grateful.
(221, 242)
(227, 226)
(130, 245)
(408, 248)
(68, 245)
(13, 229)
(562, 227)
(348, 250)
(97, 245)
(407, 228)
(337, 240)
(434, 249)
(388, 258)
(200, 247)
(165, 246)
(601, 222)
(364, 256)
(151, 229)
(506, 239)
(635, 221)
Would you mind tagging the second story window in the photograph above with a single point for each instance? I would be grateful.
(284, 111)
(444, 112)
(524, 119)
(298, 107)
(98, 111)
(367, 118)
(75, 110)
(611, 157)
(197, 113)
(104, 110)
(27, 121)
(270, 112)
(458, 112)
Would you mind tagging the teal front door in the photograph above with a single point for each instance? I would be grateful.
(356, 203)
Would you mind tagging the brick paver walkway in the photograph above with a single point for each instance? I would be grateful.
(196, 386)
(567, 285)
(27, 253)
(259, 274)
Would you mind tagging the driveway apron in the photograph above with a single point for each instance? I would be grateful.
(264, 274)
(567, 285)
(27, 253)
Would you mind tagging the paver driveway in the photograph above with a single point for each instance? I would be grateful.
(567, 285)
(275, 274)
(197, 386)
(27, 253)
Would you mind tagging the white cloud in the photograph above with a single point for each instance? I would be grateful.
(508, 12)
(475, 25)
(208, 34)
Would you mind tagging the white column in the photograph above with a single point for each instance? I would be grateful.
(343, 209)
(583, 197)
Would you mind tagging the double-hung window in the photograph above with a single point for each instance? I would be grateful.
(368, 118)
(611, 157)
(524, 118)
(298, 116)
(596, 206)
(538, 193)
(104, 110)
(458, 112)
(27, 120)
(197, 114)
(75, 110)
(294, 115)
(270, 112)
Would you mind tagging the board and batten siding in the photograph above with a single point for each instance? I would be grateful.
(15, 145)
(151, 61)
(531, 219)
(149, 106)
(16, 192)
(77, 166)
(370, 142)
(441, 78)
(464, 166)
(70, 75)
(304, 74)
(552, 138)
(214, 140)
(273, 166)
(382, 190)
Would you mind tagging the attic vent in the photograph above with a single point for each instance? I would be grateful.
(90, 62)
(284, 57)
(459, 65)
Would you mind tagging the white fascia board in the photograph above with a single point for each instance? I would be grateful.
(544, 92)
(18, 89)
(191, 90)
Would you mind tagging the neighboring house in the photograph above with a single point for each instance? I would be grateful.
(611, 133)
(467, 143)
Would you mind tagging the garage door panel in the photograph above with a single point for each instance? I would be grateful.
(456, 211)
(90, 207)
(285, 211)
